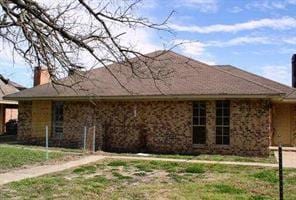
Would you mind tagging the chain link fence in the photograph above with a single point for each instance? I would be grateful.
(87, 138)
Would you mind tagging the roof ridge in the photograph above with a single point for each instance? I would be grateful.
(210, 66)
(257, 76)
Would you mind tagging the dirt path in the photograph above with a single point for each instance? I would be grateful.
(17, 175)
(20, 174)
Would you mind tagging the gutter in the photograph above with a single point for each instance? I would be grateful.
(151, 97)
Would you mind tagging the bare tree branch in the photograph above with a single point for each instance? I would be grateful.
(57, 36)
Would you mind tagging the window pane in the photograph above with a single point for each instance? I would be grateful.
(218, 121)
(195, 112)
(219, 112)
(218, 139)
(195, 120)
(199, 122)
(226, 131)
(226, 111)
(58, 117)
(226, 121)
(202, 121)
(195, 104)
(226, 104)
(219, 130)
(199, 135)
(202, 112)
(219, 104)
(222, 122)
(225, 139)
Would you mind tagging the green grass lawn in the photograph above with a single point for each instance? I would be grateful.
(269, 159)
(12, 157)
(135, 179)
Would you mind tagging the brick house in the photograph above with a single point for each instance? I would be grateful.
(197, 108)
(8, 108)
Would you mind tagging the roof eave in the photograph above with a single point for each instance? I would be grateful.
(152, 97)
(11, 102)
(292, 100)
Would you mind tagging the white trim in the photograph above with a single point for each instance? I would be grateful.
(8, 102)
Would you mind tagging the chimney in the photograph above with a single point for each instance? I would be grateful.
(294, 71)
(41, 76)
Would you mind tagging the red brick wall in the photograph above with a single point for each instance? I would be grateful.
(163, 126)
(25, 121)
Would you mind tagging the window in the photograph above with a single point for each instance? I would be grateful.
(199, 123)
(222, 122)
(58, 117)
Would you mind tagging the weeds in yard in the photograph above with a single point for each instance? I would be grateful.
(126, 179)
(223, 188)
(195, 169)
(96, 183)
(48, 185)
(144, 167)
(176, 177)
(140, 174)
(99, 179)
(269, 176)
(168, 166)
(85, 170)
(14, 157)
(259, 197)
(268, 159)
(117, 163)
(120, 176)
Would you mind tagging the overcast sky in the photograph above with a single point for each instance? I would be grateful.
(258, 36)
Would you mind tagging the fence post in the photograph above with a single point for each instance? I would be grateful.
(94, 139)
(84, 138)
(281, 185)
(46, 141)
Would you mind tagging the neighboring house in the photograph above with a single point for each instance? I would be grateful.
(8, 108)
(197, 108)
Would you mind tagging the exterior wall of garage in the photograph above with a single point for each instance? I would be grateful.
(284, 124)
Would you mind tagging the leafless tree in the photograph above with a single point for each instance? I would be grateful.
(57, 34)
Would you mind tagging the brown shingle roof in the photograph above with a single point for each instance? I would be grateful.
(289, 91)
(8, 87)
(259, 79)
(291, 96)
(183, 76)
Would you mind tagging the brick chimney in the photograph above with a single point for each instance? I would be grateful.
(41, 76)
